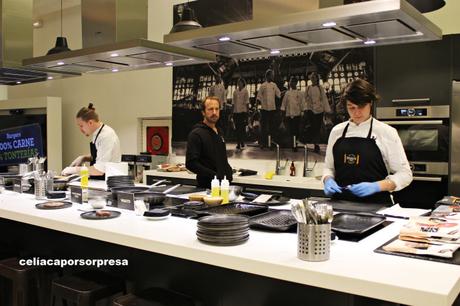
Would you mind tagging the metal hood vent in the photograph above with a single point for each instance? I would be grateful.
(377, 22)
(16, 43)
(111, 43)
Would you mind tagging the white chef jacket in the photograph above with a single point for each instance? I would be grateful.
(218, 90)
(108, 147)
(240, 101)
(292, 102)
(387, 140)
(266, 95)
(316, 100)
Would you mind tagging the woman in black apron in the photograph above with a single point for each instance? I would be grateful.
(360, 173)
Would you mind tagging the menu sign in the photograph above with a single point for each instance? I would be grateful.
(125, 200)
(19, 143)
(76, 194)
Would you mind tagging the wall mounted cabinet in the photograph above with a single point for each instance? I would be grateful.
(415, 71)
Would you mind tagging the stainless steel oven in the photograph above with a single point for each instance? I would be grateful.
(424, 132)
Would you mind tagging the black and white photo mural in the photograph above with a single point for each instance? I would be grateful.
(294, 99)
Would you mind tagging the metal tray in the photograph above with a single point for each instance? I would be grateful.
(276, 220)
(356, 224)
(236, 209)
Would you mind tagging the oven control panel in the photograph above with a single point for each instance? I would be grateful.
(411, 112)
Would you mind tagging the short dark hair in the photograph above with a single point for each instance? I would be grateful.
(241, 80)
(88, 113)
(203, 103)
(359, 92)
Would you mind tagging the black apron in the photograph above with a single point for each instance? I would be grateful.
(93, 150)
(357, 160)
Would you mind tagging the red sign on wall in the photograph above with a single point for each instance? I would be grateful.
(158, 140)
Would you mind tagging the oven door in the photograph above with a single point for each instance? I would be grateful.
(423, 192)
(424, 140)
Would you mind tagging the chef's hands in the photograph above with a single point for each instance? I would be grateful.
(331, 187)
(70, 170)
(364, 189)
(78, 161)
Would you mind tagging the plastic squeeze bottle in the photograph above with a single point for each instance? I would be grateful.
(215, 187)
(224, 188)
(84, 173)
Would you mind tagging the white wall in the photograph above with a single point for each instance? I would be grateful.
(119, 98)
(447, 17)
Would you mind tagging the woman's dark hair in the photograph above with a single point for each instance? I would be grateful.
(241, 80)
(359, 92)
(88, 113)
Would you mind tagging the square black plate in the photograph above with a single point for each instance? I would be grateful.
(355, 224)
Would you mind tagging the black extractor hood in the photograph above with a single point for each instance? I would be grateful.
(314, 28)
(113, 39)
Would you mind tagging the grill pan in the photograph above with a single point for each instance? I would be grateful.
(275, 220)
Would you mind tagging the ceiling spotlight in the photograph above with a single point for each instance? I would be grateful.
(168, 64)
(114, 70)
(60, 63)
(329, 24)
(114, 55)
(275, 52)
(369, 42)
(50, 78)
(18, 82)
(224, 38)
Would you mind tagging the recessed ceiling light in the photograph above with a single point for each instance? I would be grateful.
(114, 70)
(369, 42)
(114, 55)
(224, 38)
(168, 64)
(275, 52)
(329, 24)
(60, 63)
(18, 82)
(50, 78)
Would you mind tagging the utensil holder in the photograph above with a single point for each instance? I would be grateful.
(313, 241)
(40, 189)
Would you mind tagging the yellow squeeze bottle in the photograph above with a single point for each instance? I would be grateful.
(215, 187)
(224, 188)
(84, 173)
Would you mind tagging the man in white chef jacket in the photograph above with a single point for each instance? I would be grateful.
(104, 145)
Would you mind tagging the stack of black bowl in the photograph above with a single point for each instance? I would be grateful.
(223, 229)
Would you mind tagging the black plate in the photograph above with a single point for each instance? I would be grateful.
(355, 223)
(222, 220)
(349, 206)
(236, 209)
(224, 243)
(276, 220)
(91, 215)
(43, 205)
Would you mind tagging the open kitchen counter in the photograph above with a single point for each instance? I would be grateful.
(353, 267)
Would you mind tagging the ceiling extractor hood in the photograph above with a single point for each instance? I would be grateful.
(111, 43)
(377, 22)
(16, 43)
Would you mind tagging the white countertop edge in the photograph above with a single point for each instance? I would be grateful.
(334, 274)
(277, 181)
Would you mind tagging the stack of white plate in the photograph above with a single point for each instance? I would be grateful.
(223, 229)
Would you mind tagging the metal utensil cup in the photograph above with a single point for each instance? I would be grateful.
(40, 187)
(313, 241)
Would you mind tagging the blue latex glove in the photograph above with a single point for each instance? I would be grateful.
(331, 187)
(364, 189)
